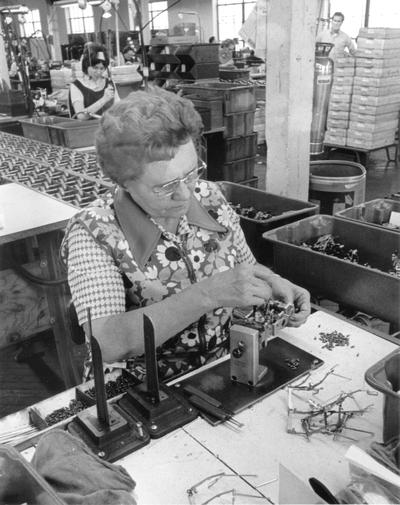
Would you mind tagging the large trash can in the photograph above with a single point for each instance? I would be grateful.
(336, 185)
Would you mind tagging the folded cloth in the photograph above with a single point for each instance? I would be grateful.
(77, 475)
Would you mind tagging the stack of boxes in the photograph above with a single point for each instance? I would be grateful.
(375, 106)
(340, 101)
(238, 103)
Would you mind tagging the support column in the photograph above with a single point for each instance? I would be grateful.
(3, 61)
(54, 32)
(291, 28)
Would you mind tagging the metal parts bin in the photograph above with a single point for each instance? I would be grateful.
(385, 377)
(375, 212)
(283, 210)
(371, 290)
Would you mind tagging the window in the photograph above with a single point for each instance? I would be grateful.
(231, 14)
(161, 21)
(30, 24)
(78, 20)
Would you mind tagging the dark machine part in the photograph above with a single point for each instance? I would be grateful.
(159, 408)
(258, 369)
(105, 428)
(250, 334)
(323, 76)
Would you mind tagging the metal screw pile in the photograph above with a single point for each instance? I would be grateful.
(252, 213)
(58, 415)
(113, 388)
(334, 339)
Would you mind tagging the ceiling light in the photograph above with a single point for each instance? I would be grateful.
(15, 9)
(106, 6)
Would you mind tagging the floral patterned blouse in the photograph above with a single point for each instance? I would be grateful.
(119, 259)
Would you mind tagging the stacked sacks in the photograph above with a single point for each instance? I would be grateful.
(340, 101)
(375, 105)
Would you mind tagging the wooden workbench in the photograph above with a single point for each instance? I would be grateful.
(167, 467)
(27, 215)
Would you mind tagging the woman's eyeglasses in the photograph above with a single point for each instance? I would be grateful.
(170, 187)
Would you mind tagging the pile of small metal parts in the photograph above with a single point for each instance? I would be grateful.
(292, 363)
(396, 265)
(63, 413)
(330, 418)
(334, 339)
(70, 176)
(113, 388)
(252, 213)
(330, 245)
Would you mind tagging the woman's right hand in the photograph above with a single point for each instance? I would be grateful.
(109, 93)
(243, 286)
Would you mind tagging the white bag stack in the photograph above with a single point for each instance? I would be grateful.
(375, 104)
(340, 101)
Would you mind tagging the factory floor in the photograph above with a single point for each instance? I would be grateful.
(25, 380)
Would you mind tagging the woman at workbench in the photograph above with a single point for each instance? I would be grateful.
(93, 93)
(165, 243)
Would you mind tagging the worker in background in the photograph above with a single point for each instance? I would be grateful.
(164, 243)
(212, 40)
(226, 52)
(93, 93)
(252, 59)
(342, 43)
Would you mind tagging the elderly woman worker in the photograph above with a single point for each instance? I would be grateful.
(165, 243)
(93, 93)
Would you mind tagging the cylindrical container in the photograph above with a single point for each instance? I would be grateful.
(336, 185)
(323, 75)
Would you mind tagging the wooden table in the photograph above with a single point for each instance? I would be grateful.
(328, 147)
(29, 215)
(168, 466)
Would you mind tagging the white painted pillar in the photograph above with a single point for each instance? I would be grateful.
(3, 62)
(289, 91)
(54, 32)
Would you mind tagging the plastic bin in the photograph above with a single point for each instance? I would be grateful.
(238, 170)
(239, 147)
(375, 212)
(284, 210)
(385, 377)
(371, 290)
(239, 123)
(38, 128)
(74, 133)
(236, 97)
(213, 104)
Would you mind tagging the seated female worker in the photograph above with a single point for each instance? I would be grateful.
(93, 93)
(165, 243)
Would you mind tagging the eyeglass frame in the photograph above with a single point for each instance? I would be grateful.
(159, 190)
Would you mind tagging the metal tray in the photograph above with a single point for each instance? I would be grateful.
(371, 290)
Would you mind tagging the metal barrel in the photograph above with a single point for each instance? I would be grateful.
(323, 75)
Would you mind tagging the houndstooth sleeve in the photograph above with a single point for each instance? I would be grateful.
(93, 277)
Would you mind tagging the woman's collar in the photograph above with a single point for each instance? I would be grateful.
(143, 235)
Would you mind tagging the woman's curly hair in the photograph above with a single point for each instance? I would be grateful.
(145, 126)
